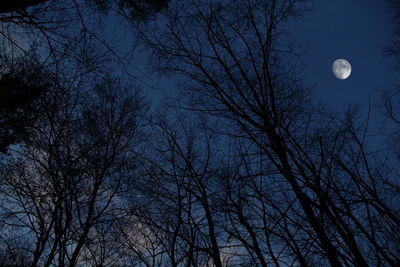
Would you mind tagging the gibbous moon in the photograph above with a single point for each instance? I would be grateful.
(341, 68)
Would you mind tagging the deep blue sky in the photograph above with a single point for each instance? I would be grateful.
(356, 30)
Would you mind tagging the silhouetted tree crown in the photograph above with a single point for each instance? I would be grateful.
(245, 168)
(137, 9)
(20, 89)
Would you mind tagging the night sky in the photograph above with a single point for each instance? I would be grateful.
(355, 30)
(93, 177)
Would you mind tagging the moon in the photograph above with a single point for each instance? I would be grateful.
(341, 69)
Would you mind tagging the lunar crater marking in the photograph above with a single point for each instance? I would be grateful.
(341, 69)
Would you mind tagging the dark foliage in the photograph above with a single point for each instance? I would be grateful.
(20, 88)
(245, 170)
(143, 9)
(138, 9)
(9, 6)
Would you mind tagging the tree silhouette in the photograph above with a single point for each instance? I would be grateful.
(63, 188)
(138, 9)
(237, 66)
(244, 169)
(21, 87)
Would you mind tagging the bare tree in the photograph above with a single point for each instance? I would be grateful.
(252, 173)
(178, 223)
(392, 49)
(236, 65)
(66, 186)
